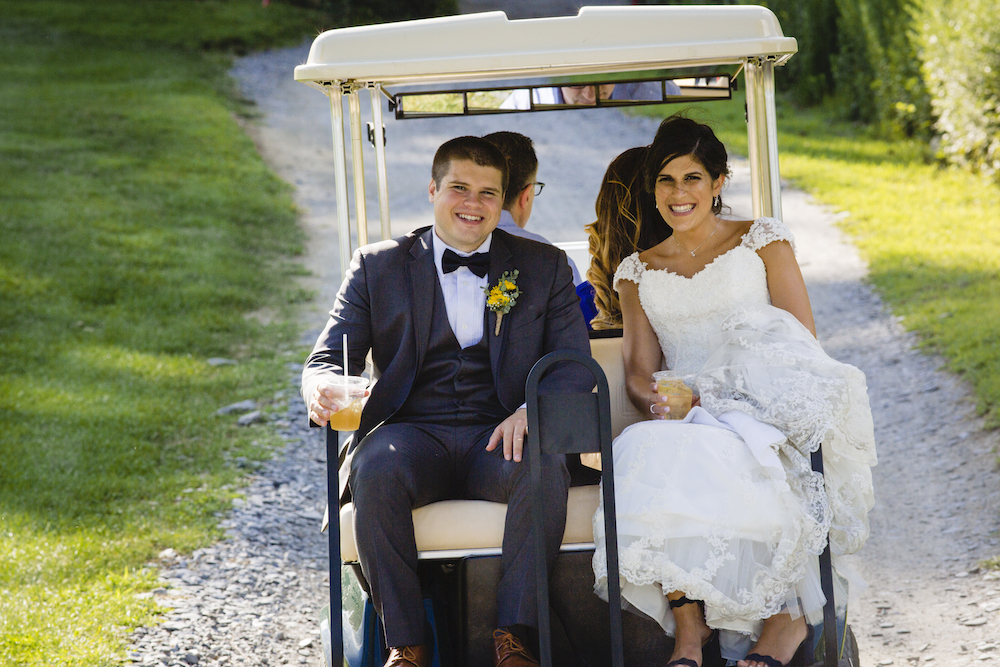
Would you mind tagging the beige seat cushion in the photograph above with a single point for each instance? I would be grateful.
(474, 524)
(608, 353)
(461, 525)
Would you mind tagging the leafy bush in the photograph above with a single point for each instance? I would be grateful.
(876, 69)
(961, 66)
(859, 53)
(813, 23)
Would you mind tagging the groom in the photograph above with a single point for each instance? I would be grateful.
(446, 417)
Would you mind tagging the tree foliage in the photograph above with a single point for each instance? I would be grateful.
(916, 68)
(961, 66)
(876, 68)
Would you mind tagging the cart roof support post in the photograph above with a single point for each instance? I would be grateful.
(358, 165)
(350, 90)
(340, 174)
(762, 136)
(378, 138)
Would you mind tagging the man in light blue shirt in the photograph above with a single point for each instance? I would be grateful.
(522, 165)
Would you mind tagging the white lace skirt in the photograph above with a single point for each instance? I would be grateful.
(726, 508)
(698, 513)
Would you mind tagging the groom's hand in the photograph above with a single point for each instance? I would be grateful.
(511, 433)
(321, 404)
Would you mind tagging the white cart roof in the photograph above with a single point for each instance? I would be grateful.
(600, 39)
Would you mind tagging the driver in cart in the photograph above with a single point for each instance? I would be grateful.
(454, 316)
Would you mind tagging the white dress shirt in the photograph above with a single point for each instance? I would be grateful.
(464, 294)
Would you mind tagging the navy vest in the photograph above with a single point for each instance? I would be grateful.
(453, 386)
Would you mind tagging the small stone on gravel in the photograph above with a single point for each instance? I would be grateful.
(243, 406)
(250, 418)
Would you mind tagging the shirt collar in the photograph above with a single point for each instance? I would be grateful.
(440, 246)
(507, 222)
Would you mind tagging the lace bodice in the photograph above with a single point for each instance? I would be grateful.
(686, 312)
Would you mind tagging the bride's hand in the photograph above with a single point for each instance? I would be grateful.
(658, 404)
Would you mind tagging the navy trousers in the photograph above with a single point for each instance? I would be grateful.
(399, 467)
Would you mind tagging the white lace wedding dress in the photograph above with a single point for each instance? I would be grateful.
(724, 505)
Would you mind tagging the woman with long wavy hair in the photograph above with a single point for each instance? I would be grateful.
(627, 222)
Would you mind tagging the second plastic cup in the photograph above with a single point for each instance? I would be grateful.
(348, 392)
(677, 388)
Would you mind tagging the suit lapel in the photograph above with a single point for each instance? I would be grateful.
(421, 277)
(501, 260)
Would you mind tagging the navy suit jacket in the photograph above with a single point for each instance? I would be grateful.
(385, 305)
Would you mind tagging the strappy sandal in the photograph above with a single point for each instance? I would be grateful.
(688, 662)
(774, 662)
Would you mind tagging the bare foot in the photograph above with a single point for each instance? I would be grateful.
(780, 638)
(691, 635)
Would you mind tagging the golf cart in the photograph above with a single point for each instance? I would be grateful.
(485, 64)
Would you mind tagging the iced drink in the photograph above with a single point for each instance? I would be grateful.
(677, 388)
(348, 395)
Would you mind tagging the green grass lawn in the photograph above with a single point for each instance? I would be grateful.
(930, 234)
(139, 229)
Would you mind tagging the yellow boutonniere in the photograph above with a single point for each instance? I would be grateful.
(502, 297)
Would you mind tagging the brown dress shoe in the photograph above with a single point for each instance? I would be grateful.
(508, 651)
(409, 656)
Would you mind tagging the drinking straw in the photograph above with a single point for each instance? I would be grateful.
(346, 374)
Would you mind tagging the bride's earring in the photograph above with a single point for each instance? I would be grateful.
(716, 201)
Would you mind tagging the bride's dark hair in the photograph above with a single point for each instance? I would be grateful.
(679, 136)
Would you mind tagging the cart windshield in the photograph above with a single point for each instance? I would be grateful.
(552, 93)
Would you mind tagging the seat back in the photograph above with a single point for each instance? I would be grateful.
(607, 351)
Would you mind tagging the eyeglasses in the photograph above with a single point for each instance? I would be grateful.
(539, 186)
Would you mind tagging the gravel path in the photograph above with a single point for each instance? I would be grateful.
(253, 599)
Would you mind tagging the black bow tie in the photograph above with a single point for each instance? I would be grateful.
(478, 263)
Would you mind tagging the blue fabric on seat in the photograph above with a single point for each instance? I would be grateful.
(586, 293)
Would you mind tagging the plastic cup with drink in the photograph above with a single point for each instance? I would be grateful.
(677, 388)
(348, 392)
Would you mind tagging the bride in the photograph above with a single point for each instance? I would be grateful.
(720, 516)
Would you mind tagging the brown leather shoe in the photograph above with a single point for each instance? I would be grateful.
(508, 651)
(409, 656)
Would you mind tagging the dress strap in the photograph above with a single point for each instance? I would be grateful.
(765, 231)
(630, 269)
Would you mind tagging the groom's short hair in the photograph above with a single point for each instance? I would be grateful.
(474, 149)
